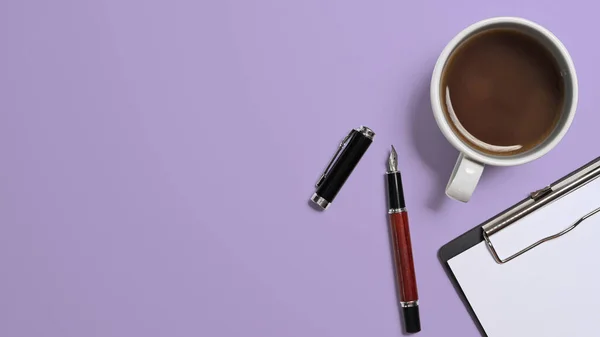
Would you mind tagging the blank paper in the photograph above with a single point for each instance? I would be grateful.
(550, 291)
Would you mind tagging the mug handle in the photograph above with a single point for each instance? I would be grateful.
(464, 178)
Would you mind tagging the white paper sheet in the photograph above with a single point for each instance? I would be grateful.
(550, 291)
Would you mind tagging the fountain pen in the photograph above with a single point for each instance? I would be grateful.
(401, 246)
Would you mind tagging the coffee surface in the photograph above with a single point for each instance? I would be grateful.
(502, 91)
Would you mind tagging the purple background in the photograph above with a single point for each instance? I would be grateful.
(157, 158)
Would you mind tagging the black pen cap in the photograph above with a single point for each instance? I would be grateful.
(345, 159)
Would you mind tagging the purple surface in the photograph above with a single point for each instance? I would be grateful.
(157, 159)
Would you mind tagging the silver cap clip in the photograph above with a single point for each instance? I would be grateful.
(337, 153)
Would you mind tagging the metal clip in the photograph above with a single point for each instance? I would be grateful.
(537, 195)
(536, 201)
(332, 161)
(539, 242)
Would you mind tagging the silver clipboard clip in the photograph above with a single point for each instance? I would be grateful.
(537, 200)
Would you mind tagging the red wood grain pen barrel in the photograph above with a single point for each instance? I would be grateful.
(402, 248)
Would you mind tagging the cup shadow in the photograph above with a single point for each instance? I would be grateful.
(431, 145)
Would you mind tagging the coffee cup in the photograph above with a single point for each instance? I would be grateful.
(475, 150)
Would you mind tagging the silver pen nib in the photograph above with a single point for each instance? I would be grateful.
(393, 161)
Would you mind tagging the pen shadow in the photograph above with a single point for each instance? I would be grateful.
(431, 145)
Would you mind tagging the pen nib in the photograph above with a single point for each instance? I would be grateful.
(393, 161)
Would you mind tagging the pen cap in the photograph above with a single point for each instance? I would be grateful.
(349, 153)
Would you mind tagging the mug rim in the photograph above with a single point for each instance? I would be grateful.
(436, 101)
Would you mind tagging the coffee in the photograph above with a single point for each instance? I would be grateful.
(502, 92)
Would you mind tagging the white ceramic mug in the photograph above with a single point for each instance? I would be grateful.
(470, 163)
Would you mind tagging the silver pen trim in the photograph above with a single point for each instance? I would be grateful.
(320, 201)
(409, 304)
(396, 210)
(367, 132)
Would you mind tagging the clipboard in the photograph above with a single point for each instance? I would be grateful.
(484, 233)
